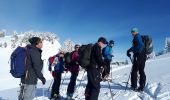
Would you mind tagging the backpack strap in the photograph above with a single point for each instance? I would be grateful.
(26, 74)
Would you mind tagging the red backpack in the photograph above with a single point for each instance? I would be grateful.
(50, 62)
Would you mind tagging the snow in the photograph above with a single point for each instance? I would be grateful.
(157, 87)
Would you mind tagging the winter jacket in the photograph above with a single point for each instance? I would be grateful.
(74, 66)
(107, 52)
(138, 44)
(96, 57)
(34, 66)
(58, 64)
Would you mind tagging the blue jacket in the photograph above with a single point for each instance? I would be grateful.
(138, 44)
(59, 66)
(107, 52)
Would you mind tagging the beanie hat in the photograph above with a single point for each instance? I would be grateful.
(111, 42)
(34, 40)
(103, 40)
(134, 30)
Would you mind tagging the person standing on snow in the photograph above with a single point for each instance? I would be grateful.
(139, 57)
(34, 68)
(74, 69)
(94, 70)
(108, 54)
(58, 70)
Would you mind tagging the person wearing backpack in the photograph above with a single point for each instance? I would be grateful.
(34, 68)
(139, 59)
(107, 54)
(58, 70)
(74, 69)
(94, 70)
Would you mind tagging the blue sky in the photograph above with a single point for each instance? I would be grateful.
(83, 21)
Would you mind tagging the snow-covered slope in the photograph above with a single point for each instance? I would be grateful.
(157, 87)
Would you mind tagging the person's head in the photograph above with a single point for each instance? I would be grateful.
(61, 54)
(76, 47)
(102, 41)
(36, 41)
(111, 43)
(134, 31)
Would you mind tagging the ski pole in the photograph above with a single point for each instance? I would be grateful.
(50, 85)
(64, 78)
(129, 75)
(110, 90)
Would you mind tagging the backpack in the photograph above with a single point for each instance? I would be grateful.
(50, 62)
(68, 59)
(18, 62)
(84, 55)
(147, 40)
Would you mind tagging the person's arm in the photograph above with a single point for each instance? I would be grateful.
(137, 44)
(98, 56)
(37, 63)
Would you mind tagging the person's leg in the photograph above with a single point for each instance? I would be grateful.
(58, 82)
(134, 75)
(88, 86)
(53, 88)
(29, 92)
(107, 68)
(142, 81)
(71, 86)
(95, 79)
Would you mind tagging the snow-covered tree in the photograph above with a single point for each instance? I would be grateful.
(68, 46)
(167, 45)
(48, 36)
(2, 33)
(5, 44)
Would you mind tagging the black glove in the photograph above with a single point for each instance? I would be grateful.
(43, 80)
(128, 53)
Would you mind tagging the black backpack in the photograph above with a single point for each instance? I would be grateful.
(148, 46)
(67, 59)
(84, 55)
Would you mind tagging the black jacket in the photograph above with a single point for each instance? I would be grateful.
(96, 57)
(34, 66)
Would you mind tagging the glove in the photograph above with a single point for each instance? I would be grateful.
(128, 53)
(43, 80)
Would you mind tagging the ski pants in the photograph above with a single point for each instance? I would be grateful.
(29, 92)
(56, 84)
(138, 66)
(93, 86)
(107, 69)
(71, 86)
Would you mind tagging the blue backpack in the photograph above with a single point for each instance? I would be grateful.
(18, 62)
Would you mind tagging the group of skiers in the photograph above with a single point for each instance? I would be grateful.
(59, 68)
(98, 69)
